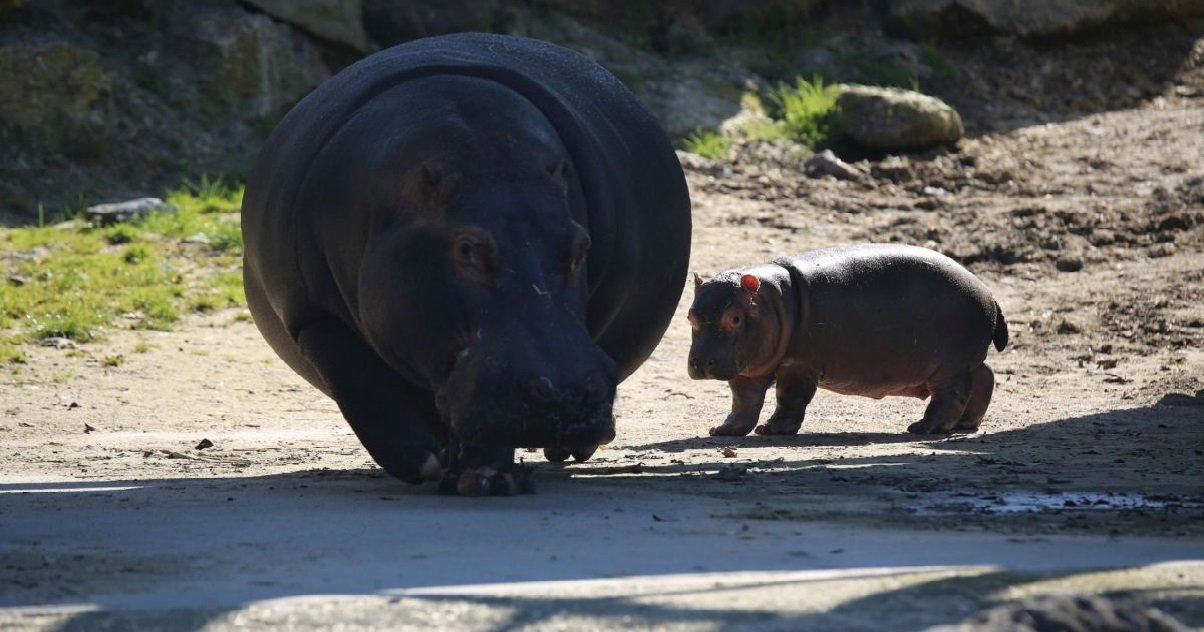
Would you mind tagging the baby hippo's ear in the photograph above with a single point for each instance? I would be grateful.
(750, 283)
(697, 282)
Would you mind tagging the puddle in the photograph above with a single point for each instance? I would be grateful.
(1015, 502)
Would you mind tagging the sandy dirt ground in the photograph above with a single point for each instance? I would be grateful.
(1086, 476)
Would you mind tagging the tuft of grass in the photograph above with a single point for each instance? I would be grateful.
(881, 72)
(112, 360)
(76, 280)
(707, 143)
(142, 347)
(806, 110)
(931, 56)
(11, 353)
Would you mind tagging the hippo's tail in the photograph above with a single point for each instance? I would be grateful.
(1000, 336)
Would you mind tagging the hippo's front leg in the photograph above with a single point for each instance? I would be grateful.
(794, 392)
(748, 396)
(389, 415)
(473, 471)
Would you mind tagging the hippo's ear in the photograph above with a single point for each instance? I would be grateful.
(750, 283)
(559, 173)
(697, 282)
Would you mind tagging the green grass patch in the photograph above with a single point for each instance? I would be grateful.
(11, 353)
(880, 72)
(931, 56)
(73, 280)
(806, 111)
(707, 143)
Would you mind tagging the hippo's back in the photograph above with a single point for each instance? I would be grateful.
(879, 303)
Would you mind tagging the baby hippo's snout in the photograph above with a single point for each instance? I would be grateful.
(703, 366)
(700, 368)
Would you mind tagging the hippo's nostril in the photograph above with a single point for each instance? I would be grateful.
(542, 389)
(710, 364)
(595, 389)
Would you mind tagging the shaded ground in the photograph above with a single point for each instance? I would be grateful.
(1091, 233)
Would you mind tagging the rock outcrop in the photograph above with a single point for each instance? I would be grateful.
(337, 21)
(891, 119)
(1022, 18)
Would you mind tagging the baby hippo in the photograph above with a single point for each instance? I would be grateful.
(872, 320)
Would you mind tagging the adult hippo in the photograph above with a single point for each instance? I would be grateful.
(467, 241)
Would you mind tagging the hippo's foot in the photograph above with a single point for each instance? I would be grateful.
(485, 472)
(560, 454)
(731, 430)
(486, 481)
(557, 454)
(924, 427)
(967, 426)
(778, 427)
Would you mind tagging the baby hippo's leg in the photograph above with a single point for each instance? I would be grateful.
(795, 390)
(748, 396)
(982, 384)
(949, 397)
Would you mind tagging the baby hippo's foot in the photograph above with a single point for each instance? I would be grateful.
(926, 427)
(562, 454)
(730, 429)
(779, 427)
(486, 472)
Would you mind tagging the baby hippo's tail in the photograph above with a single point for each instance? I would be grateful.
(1000, 336)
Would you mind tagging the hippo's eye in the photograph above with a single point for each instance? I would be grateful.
(577, 253)
(695, 322)
(474, 254)
(731, 321)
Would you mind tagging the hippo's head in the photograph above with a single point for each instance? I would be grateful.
(494, 269)
(725, 319)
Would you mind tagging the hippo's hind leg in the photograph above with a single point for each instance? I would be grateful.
(794, 392)
(948, 404)
(982, 385)
(391, 417)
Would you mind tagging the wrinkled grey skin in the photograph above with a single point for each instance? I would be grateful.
(467, 242)
(872, 320)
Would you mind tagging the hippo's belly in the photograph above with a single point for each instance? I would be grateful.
(876, 389)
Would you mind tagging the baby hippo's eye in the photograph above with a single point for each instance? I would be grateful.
(732, 320)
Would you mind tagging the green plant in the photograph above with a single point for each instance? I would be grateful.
(707, 143)
(75, 280)
(11, 353)
(932, 57)
(806, 110)
(879, 72)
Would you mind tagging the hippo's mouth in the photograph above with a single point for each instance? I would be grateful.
(486, 425)
(489, 409)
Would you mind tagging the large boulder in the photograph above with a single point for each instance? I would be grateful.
(891, 119)
(337, 21)
(54, 96)
(1026, 18)
(389, 22)
(247, 60)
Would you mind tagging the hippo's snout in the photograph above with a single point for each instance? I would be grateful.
(700, 368)
(703, 367)
(490, 401)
